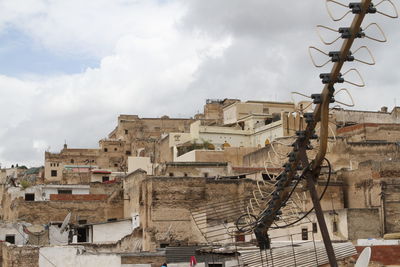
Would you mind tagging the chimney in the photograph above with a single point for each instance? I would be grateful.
(384, 109)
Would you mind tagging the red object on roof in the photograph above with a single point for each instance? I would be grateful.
(101, 172)
(193, 261)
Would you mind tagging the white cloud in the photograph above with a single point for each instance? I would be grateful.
(157, 59)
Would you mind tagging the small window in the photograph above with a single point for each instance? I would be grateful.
(206, 174)
(10, 239)
(315, 228)
(128, 152)
(171, 174)
(64, 191)
(115, 164)
(115, 149)
(53, 173)
(334, 227)
(112, 220)
(29, 197)
(58, 164)
(72, 161)
(105, 179)
(164, 245)
(126, 131)
(304, 234)
(105, 149)
(185, 174)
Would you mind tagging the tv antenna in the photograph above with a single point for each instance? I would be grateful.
(65, 223)
(299, 166)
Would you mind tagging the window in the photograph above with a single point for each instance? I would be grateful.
(82, 234)
(112, 220)
(105, 149)
(64, 191)
(115, 149)
(185, 174)
(334, 227)
(314, 227)
(72, 161)
(126, 131)
(164, 245)
(10, 239)
(304, 234)
(206, 174)
(171, 174)
(105, 179)
(29, 197)
(115, 164)
(128, 152)
(53, 173)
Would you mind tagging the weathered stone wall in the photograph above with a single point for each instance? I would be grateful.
(371, 132)
(164, 204)
(363, 223)
(15, 256)
(43, 212)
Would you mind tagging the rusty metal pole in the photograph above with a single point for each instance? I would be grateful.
(321, 221)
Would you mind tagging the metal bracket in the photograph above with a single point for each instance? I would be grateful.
(336, 56)
(326, 78)
(347, 34)
(356, 8)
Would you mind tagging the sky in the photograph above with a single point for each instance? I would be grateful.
(69, 68)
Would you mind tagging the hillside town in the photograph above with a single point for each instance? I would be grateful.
(176, 190)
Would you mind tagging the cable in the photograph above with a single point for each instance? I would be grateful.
(311, 210)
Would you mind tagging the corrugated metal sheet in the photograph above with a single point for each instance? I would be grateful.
(303, 255)
(183, 254)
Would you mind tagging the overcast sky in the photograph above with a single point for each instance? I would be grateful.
(68, 68)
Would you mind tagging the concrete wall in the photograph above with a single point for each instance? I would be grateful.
(75, 257)
(111, 231)
(143, 163)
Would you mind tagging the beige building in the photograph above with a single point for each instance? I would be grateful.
(238, 110)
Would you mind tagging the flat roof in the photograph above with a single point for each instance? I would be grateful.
(196, 163)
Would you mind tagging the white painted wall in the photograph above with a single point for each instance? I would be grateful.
(271, 131)
(187, 157)
(111, 231)
(13, 229)
(76, 190)
(143, 163)
(68, 256)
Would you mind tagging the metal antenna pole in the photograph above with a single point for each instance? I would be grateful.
(299, 157)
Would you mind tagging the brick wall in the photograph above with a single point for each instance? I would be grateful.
(386, 255)
(76, 197)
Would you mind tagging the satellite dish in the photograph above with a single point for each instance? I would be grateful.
(364, 258)
(65, 223)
